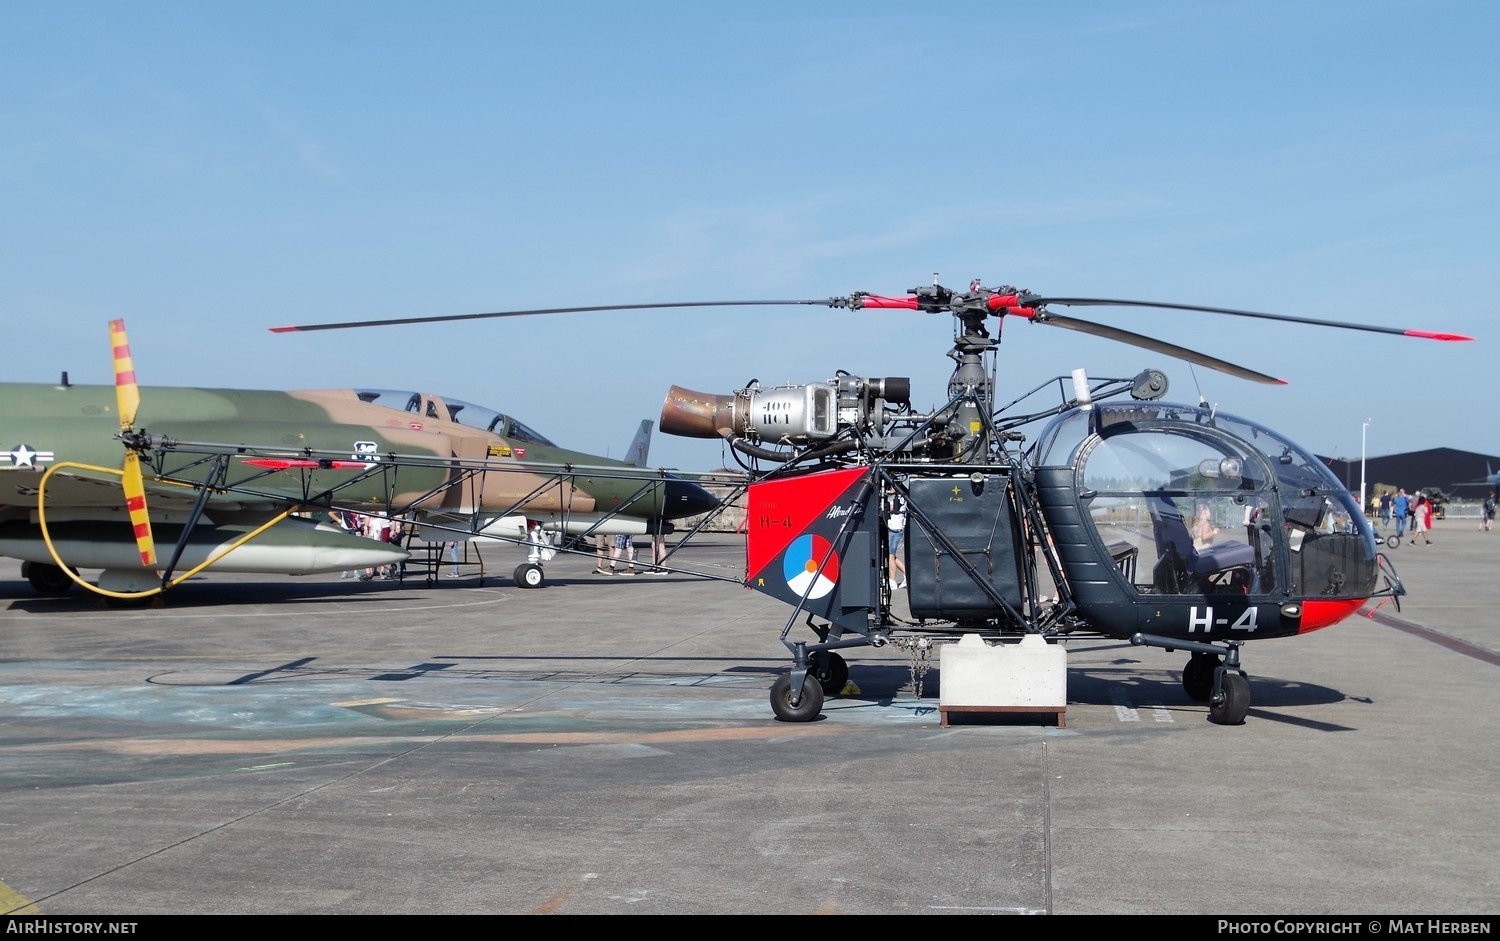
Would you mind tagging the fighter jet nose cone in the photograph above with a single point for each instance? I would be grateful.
(685, 498)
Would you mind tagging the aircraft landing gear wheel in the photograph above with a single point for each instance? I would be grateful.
(1233, 700)
(48, 580)
(1198, 676)
(805, 711)
(832, 678)
(529, 575)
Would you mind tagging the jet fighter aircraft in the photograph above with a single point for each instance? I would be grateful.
(245, 480)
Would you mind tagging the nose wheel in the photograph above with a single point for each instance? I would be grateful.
(529, 575)
(1229, 705)
(1212, 674)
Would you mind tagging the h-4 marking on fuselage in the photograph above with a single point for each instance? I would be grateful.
(1208, 622)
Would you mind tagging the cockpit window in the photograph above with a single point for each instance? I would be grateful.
(464, 413)
(1199, 502)
(497, 423)
(522, 433)
(1160, 461)
(390, 398)
(1060, 439)
(1188, 505)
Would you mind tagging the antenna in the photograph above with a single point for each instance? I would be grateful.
(1081, 392)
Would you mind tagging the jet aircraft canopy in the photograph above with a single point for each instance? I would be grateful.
(464, 413)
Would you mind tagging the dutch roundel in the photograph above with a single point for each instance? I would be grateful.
(801, 562)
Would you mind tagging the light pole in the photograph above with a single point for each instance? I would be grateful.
(1362, 429)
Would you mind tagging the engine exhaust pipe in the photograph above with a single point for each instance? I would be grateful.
(689, 414)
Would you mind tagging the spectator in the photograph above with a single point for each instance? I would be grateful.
(658, 551)
(1421, 520)
(895, 524)
(624, 550)
(1202, 528)
(379, 529)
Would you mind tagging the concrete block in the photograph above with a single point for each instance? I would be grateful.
(1029, 676)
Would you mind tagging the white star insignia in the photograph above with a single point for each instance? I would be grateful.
(24, 455)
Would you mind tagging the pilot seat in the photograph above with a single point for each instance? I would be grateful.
(1183, 568)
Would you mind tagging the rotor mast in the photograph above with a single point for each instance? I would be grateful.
(971, 387)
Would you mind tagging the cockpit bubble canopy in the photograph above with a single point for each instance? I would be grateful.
(464, 413)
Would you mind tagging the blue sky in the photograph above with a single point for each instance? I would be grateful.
(210, 170)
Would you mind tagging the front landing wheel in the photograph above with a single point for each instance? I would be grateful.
(529, 575)
(1233, 701)
(804, 711)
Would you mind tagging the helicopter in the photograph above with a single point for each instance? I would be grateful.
(1165, 525)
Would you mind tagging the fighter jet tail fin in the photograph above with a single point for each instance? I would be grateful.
(640, 445)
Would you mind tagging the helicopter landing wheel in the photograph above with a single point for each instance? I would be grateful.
(529, 575)
(1233, 701)
(47, 580)
(832, 678)
(805, 711)
(1198, 676)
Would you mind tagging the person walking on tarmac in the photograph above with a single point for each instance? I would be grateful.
(895, 524)
(624, 551)
(1399, 508)
(1421, 520)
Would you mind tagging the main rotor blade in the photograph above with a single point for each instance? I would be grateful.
(1034, 301)
(1157, 346)
(527, 313)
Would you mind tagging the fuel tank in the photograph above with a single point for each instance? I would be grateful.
(295, 546)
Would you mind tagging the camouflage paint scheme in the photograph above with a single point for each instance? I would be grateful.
(413, 459)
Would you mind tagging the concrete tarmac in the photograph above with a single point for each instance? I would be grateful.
(605, 745)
